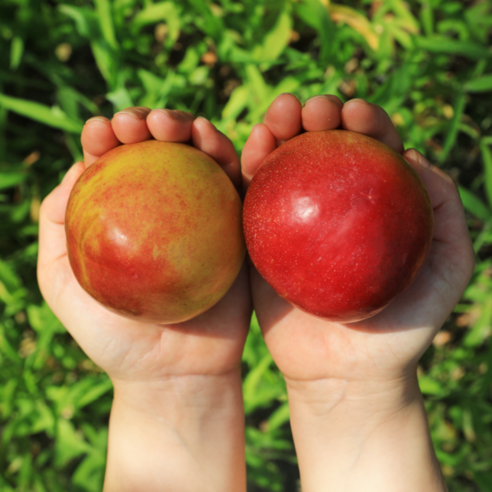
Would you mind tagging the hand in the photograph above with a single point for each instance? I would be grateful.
(357, 414)
(388, 345)
(150, 364)
(128, 350)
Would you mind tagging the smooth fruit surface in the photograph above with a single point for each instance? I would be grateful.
(337, 223)
(154, 231)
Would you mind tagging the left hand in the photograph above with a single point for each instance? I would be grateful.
(353, 391)
(388, 345)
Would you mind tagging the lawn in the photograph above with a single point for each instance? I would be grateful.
(428, 63)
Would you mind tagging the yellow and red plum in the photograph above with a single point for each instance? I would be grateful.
(337, 223)
(154, 231)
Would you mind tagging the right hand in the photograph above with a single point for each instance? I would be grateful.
(130, 351)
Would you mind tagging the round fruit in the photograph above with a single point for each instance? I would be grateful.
(337, 223)
(154, 231)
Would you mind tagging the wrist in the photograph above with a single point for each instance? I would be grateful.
(172, 397)
(369, 435)
(375, 399)
(181, 433)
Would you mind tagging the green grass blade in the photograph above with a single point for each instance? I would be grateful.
(481, 84)
(54, 117)
(85, 19)
(162, 11)
(120, 98)
(447, 46)
(279, 417)
(16, 51)
(253, 379)
(429, 386)
(206, 21)
(427, 17)
(95, 392)
(237, 102)
(9, 179)
(89, 475)
(103, 9)
(404, 14)
(474, 205)
(69, 444)
(487, 164)
(316, 15)
(459, 107)
(480, 329)
(156, 88)
(277, 39)
(257, 82)
(105, 61)
(6, 350)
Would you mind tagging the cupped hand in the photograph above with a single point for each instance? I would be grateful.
(387, 346)
(127, 350)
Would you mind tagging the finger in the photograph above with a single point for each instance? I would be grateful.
(452, 246)
(97, 138)
(170, 125)
(130, 125)
(208, 139)
(52, 240)
(283, 117)
(321, 113)
(363, 117)
(260, 143)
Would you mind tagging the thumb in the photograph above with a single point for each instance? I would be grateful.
(52, 218)
(452, 249)
(260, 143)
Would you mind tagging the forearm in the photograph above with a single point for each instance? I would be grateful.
(357, 437)
(178, 435)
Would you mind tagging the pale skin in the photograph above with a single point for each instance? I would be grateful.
(356, 411)
(177, 418)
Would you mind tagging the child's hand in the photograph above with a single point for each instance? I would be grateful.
(358, 376)
(158, 371)
(388, 345)
(126, 349)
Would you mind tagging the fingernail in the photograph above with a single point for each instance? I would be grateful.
(335, 100)
(187, 114)
(283, 94)
(208, 122)
(417, 157)
(167, 112)
(316, 97)
(97, 118)
(176, 114)
(330, 97)
(138, 115)
(362, 101)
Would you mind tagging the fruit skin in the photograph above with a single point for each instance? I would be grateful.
(154, 231)
(337, 223)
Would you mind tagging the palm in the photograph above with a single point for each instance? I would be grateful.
(129, 350)
(308, 348)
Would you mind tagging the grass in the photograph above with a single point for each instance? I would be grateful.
(428, 63)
